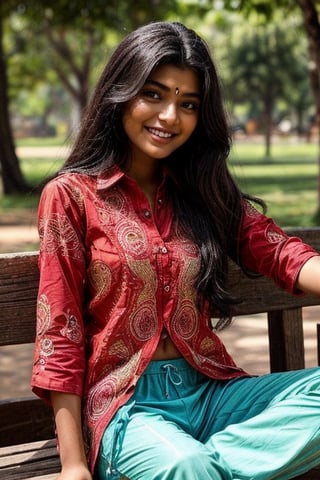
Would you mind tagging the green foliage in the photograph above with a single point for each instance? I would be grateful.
(37, 169)
(116, 14)
(67, 42)
(263, 10)
(56, 141)
(267, 61)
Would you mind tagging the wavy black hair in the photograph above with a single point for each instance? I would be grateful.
(207, 200)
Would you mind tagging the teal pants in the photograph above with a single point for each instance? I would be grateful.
(180, 425)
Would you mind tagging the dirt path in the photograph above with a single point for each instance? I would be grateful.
(18, 231)
(16, 239)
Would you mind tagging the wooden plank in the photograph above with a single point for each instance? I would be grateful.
(309, 235)
(18, 289)
(19, 280)
(313, 474)
(16, 458)
(261, 295)
(27, 447)
(29, 460)
(20, 474)
(25, 420)
(19, 284)
(31, 469)
(51, 476)
(286, 345)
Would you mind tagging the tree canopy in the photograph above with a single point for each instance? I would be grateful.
(57, 47)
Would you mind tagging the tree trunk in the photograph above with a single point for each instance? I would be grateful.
(312, 27)
(76, 78)
(268, 109)
(12, 178)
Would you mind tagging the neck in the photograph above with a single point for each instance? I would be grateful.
(147, 177)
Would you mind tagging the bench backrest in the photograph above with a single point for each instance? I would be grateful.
(30, 419)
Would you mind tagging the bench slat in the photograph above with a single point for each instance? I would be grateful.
(51, 476)
(29, 461)
(19, 286)
(29, 419)
(25, 420)
(26, 447)
(14, 458)
(18, 290)
(311, 475)
(286, 345)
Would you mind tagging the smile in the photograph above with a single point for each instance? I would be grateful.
(160, 133)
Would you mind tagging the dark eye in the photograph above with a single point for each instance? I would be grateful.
(150, 94)
(190, 106)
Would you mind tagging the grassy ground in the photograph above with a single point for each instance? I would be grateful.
(41, 142)
(287, 182)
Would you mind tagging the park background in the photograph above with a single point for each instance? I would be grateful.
(268, 56)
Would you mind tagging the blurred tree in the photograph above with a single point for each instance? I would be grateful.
(76, 32)
(267, 64)
(309, 9)
(69, 34)
(59, 21)
(12, 177)
(226, 32)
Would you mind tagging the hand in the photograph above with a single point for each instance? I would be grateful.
(76, 472)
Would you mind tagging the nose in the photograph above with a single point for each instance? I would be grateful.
(169, 113)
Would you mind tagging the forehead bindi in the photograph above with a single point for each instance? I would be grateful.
(183, 82)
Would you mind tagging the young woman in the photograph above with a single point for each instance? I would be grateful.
(136, 232)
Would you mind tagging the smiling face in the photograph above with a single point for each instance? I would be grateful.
(164, 114)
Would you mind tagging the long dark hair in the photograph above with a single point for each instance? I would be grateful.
(207, 201)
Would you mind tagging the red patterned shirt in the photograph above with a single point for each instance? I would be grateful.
(113, 274)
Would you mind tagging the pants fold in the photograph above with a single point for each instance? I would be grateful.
(181, 425)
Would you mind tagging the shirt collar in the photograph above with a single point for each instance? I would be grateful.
(114, 174)
(109, 177)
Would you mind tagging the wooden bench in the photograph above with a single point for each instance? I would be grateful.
(27, 445)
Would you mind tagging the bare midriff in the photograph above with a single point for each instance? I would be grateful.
(166, 349)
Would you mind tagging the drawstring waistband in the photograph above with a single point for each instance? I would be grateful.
(172, 376)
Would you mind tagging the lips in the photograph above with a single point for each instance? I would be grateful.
(160, 133)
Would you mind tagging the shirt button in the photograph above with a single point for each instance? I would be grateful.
(147, 214)
(167, 288)
(164, 250)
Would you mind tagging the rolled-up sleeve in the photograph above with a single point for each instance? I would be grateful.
(266, 249)
(59, 355)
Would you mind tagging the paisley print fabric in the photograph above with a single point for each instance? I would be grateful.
(113, 274)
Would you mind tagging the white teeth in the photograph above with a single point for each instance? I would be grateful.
(160, 133)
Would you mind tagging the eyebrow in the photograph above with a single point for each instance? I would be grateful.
(167, 89)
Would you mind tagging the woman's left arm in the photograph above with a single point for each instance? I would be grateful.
(266, 249)
(308, 279)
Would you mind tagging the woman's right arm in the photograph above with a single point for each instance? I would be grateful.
(60, 361)
(67, 411)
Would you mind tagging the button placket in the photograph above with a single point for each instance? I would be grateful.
(164, 251)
